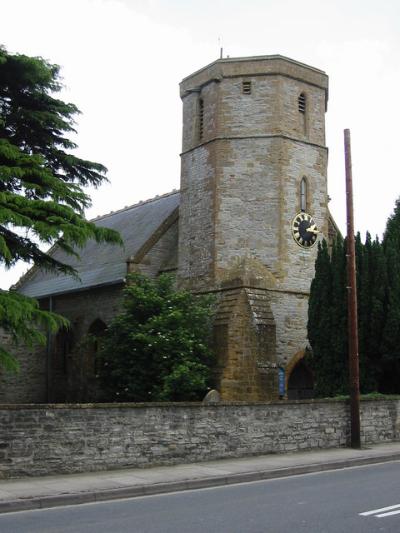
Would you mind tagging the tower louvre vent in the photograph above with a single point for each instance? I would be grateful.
(246, 87)
(302, 103)
(201, 118)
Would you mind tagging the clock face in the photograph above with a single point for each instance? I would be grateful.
(304, 230)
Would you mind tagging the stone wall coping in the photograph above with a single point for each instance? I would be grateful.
(167, 405)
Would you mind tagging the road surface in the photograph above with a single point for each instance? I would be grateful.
(355, 500)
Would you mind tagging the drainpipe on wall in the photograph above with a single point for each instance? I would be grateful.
(48, 354)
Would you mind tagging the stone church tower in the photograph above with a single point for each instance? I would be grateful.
(253, 157)
(252, 203)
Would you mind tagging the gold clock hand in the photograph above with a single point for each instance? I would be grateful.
(312, 229)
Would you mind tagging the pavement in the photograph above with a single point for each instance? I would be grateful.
(71, 489)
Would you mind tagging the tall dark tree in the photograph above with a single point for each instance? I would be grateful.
(378, 288)
(390, 345)
(377, 319)
(320, 321)
(338, 311)
(41, 185)
(363, 303)
(372, 282)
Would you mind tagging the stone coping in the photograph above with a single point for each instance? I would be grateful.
(166, 405)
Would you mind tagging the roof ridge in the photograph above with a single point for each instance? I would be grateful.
(141, 202)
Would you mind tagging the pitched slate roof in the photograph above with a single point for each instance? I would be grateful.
(103, 264)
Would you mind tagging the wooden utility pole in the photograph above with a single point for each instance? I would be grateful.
(352, 303)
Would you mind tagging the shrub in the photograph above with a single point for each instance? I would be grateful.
(158, 347)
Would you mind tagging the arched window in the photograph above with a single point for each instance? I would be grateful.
(62, 348)
(201, 118)
(97, 328)
(303, 194)
(96, 331)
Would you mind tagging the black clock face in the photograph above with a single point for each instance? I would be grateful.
(304, 230)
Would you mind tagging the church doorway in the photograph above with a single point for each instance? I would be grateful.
(301, 382)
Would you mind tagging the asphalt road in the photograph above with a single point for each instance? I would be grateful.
(355, 500)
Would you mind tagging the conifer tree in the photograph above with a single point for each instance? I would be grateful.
(377, 312)
(363, 302)
(371, 312)
(319, 321)
(327, 321)
(378, 288)
(390, 345)
(41, 185)
(338, 311)
(330, 358)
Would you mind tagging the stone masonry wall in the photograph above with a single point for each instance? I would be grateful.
(39, 440)
(163, 255)
(257, 199)
(245, 334)
(72, 373)
(291, 314)
(29, 385)
(196, 220)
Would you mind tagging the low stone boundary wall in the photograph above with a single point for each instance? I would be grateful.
(48, 439)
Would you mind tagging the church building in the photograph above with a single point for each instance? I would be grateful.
(252, 205)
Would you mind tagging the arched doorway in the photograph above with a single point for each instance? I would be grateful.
(299, 378)
(300, 382)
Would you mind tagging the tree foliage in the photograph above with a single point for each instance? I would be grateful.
(21, 317)
(378, 292)
(158, 348)
(390, 346)
(41, 184)
(328, 321)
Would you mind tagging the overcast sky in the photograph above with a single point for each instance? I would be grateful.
(122, 61)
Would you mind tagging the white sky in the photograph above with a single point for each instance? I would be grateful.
(122, 61)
